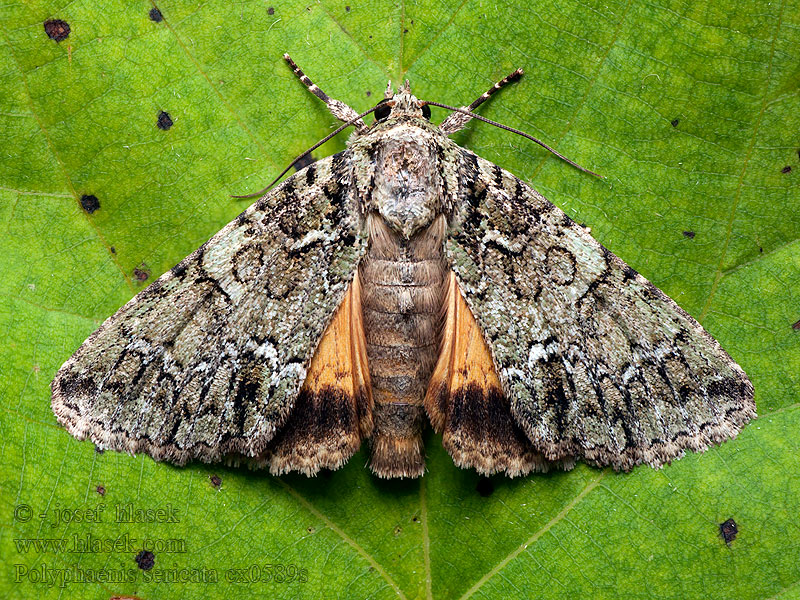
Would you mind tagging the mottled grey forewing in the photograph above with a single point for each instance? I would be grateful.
(209, 359)
(597, 362)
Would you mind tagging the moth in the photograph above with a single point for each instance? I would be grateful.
(402, 281)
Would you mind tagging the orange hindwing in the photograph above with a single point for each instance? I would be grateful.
(465, 400)
(333, 411)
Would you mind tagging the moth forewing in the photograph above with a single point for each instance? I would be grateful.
(597, 362)
(207, 362)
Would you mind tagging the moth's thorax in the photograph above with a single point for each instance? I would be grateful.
(406, 192)
(403, 175)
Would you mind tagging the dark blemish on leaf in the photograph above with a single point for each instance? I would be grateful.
(142, 272)
(796, 326)
(728, 530)
(485, 487)
(164, 121)
(304, 161)
(674, 122)
(216, 481)
(369, 93)
(90, 203)
(310, 530)
(405, 30)
(56, 29)
(145, 559)
(347, 8)
(689, 234)
(786, 169)
(270, 11)
(113, 250)
(397, 531)
(155, 15)
(101, 490)
(415, 518)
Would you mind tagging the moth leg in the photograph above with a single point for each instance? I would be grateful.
(456, 121)
(339, 109)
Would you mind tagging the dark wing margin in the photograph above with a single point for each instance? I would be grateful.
(597, 363)
(209, 360)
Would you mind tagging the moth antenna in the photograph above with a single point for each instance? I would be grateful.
(510, 78)
(512, 130)
(456, 121)
(314, 147)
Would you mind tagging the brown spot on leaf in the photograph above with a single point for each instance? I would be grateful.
(90, 203)
(688, 234)
(164, 121)
(347, 8)
(113, 250)
(728, 530)
(786, 169)
(101, 490)
(155, 15)
(674, 122)
(398, 530)
(270, 11)
(56, 29)
(145, 560)
(485, 487)
(310, 530)
(142, 272)
(216, 481)
(369, 93)
(796, 326)
(415, 518)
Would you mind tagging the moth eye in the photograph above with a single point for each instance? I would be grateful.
(426, 111)
(383, 111)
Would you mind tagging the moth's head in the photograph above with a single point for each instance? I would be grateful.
(402, 103)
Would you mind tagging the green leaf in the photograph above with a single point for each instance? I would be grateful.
(691, 112)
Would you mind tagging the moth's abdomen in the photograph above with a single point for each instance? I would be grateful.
(402, 301)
